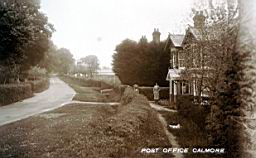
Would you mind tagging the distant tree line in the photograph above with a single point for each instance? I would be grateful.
(143, 63)
(61, 60)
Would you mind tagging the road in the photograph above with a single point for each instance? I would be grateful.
(56, 96)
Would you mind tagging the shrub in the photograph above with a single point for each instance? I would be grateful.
(128, 96)
(189, 135)
(35, 73)
(39, 85)
(14, 92)
(134, 123)
(88, 82)
(189, 110)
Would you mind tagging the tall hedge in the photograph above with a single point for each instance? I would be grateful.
(141, 63)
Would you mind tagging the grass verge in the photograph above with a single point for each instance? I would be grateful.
(91, 131)
(87, 90)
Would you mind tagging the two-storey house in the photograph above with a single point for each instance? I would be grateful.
(185, 54)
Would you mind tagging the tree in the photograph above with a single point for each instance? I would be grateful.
(141, 63)
(58, 60)
(221, 68)
(50, 58)
(91, 63)
(228, 85)
(24, 34)
(65, 60)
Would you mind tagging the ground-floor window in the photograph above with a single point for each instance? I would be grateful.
(185, 88)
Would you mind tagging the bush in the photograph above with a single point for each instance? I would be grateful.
(127, 96)
(88, 82)
(14, 92)
(194, 112)
(136, 124)
(39, 85)
(35, 73)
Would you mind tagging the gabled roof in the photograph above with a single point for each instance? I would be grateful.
(173, 74)
(195, 32)
(174, 40)
(211, 34)
(177, 40)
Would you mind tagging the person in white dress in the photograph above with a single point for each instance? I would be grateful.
(156, 90)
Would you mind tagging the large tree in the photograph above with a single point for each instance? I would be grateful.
(226, 81)
(141, 62)
(24, 34)
(58, 60)
(90, 64)
(64, 61)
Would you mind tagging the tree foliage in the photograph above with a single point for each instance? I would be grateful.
(90, 64)
(58, 60)
(229, 87)
(24, 34)
(141, 63)
(220, 65)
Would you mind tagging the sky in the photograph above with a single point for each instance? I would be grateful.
(95, 27)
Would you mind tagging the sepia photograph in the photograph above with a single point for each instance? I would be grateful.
(127, 78)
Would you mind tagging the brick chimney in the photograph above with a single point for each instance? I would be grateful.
(156, 36)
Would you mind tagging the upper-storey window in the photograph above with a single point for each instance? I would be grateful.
(174, 58)
(181, 61)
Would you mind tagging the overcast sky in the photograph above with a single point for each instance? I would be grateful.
(88, 27)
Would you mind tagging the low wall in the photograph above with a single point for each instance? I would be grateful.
(148, 92)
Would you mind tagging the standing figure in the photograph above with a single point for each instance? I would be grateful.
(156, 90)
(136, 88)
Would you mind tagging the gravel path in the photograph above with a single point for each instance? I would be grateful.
(171, 137)
(160, 108)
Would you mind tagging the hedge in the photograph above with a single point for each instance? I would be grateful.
(135, 123)
(195, 112)
(11, 93)
(39, 85)
(89, 82)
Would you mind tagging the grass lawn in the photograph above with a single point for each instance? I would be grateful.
(90, 94)
(86, 131)
(66, 132)
(76, 131)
